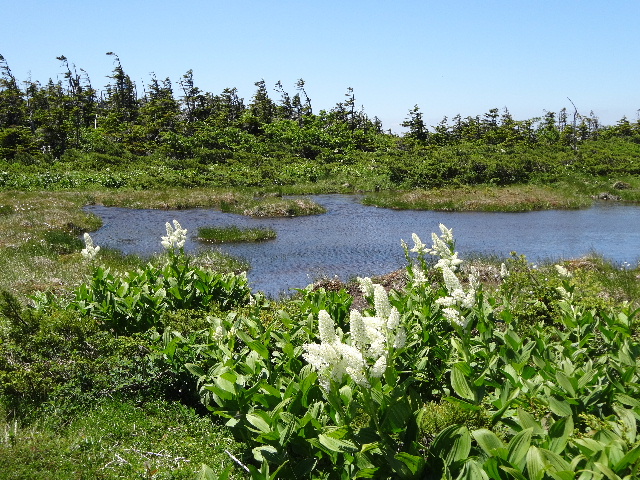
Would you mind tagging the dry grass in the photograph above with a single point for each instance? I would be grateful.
(171, 198)
(27, 260)
(518, 198)
(245, 203)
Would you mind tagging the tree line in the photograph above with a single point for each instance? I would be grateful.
(179, 121)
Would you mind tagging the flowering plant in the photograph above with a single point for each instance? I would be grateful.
(90, 250)
(435, 381)
(175, 238)
(136, 301)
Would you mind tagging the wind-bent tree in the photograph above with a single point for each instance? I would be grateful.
(417, 128)
(82, 99)
(159, 111)
(261, 110)
(121, 104)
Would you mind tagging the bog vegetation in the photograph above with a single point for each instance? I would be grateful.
(168, 367)
(512, 371)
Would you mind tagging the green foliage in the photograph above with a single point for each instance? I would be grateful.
(54, 355)
(69, 137)
(435, 417)
(512, 391)
(137, 300)
(531, 294)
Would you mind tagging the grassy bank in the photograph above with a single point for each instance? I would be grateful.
(487, 199)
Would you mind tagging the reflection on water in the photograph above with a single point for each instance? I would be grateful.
(352, 239)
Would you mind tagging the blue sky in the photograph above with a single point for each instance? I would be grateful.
(447, 57)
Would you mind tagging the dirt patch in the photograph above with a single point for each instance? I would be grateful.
(396, 280)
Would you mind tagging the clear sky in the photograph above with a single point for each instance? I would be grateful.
(446, 56)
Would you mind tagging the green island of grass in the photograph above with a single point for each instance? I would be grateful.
(233, 234)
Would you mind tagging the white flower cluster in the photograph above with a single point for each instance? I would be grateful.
(443, 247)
(370, 338)
(562, 271)
(176, 236)
(90, 250)
(457, 296)
(504, 273)
(366, 286)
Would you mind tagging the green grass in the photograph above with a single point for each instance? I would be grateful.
(114, 439)
(232, 234)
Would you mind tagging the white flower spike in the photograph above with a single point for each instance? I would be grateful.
(90, 251)
(176, 236)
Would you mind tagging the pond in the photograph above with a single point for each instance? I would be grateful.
(356, 240)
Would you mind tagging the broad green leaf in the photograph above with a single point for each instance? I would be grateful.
(242, 335)
(628, 421)
(559, 407)
(610, 474)
(206, 473)
(219, 392)
(588, 446)
(346, 394)
(367, 447)
(472, 471)
(226, 382)
(451, 444)
(627, 400)
(414, 463)
(337, 444)
(460, 384)
(586, 378)
(507, 402)
(559, 433)
(513, 340)
(519, 445)
(463, 404)
(396, 417)
(564, 475)
(286, 430)
(630, 458)
(566, 383)
(555, 463)
(195, 370)
(461, 446)
(514, 473)
(259, 422)
(270, 389)
(535, 464)
(259, 348)
(490, 443)
(527, 421)
(491, 466)
(265, 452)
(367, 473)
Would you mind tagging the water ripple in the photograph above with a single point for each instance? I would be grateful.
(352, 239)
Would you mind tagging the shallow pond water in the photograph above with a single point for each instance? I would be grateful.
(352, 239)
